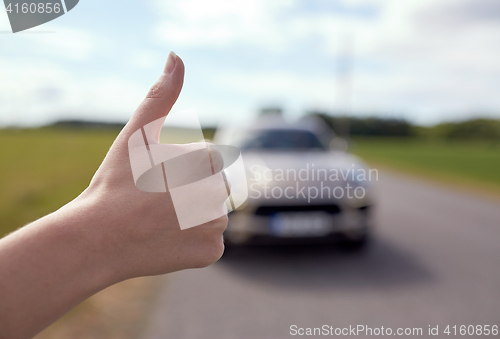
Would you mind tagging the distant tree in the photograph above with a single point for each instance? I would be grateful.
(479, 128)
(87, 124)
(369, 126)
(475, 129)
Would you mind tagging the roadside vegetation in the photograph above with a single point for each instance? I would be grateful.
(42, 169)
(460, 162)
(464, 153)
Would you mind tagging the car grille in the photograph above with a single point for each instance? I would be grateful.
(269, 210)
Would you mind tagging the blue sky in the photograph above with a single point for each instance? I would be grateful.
(427, 61)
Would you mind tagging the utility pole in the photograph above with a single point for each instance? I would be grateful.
(345, 53)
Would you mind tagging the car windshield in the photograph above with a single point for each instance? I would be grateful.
(281, 140)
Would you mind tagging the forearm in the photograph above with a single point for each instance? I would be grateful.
(57, 266)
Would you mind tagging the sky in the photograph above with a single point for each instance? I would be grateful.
(425, 61)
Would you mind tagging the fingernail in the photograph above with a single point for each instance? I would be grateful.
(172, 58)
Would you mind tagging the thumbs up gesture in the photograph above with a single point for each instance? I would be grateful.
(141, 228)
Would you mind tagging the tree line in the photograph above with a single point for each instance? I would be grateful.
(476, 128)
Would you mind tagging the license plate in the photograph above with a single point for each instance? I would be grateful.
(298, 224)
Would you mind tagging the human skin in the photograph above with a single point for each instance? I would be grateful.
(110, 233)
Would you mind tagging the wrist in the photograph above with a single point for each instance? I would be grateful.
(54, 259)
(79, 231)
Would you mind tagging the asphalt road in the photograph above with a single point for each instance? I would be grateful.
(435, 260)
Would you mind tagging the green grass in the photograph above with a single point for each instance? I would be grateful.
(43, 169)
(472, 163)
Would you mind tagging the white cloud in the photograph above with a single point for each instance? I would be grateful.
(222, 22)
(38, 93)
(421, 57)
(278, 86)
(146, 58)
(66, 43)
(61, 43)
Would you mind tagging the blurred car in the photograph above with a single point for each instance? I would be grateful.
(301, 187)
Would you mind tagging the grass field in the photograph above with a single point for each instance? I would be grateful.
(469, 163)
(42, 169)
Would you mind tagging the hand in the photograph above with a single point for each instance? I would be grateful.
(111, 232)
(139, 230)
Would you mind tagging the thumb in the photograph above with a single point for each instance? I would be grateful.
(161, 97)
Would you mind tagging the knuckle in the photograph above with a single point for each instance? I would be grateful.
(213, 251)
(157, 90)
(213, 245)
(220, 223)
